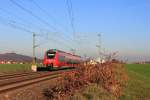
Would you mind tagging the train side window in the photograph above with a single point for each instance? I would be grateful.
(61, 58)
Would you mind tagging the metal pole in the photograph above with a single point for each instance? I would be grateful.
(99, 35)
(34, 62)
(99, 47)
(73, 51)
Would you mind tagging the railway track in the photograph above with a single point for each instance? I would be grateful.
(16, 75)
(18, 82)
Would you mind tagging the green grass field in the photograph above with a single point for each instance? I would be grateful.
(138, 86)
(7, 68)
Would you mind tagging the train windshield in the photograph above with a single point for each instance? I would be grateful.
(51, 55)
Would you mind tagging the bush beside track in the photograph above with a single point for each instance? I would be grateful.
(111, 77)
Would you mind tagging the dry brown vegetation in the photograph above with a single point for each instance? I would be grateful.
(110, 76)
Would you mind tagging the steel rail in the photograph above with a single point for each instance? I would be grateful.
(15, 84)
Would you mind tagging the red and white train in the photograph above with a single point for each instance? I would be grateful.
(54, 58)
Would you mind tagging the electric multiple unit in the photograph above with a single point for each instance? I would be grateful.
(57, 58)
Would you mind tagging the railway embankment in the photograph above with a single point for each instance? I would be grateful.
(110, 79)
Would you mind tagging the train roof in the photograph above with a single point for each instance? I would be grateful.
(62, 52)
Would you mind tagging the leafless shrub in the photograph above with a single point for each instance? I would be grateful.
(110, 76)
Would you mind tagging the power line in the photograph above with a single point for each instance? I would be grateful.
(13, 23)
(54, 41)
(59, 42)
(22, 20)
(32, 14)
(46, 13)
(54, 20)
(9, 13)
(20, 28)
(71, 15)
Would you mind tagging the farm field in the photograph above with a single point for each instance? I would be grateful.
(11, 68)
(138, 85)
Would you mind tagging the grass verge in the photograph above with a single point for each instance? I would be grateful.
(10, 68)
(93, 92)
(138, 86)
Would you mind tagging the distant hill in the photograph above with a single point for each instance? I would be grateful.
(16, 57)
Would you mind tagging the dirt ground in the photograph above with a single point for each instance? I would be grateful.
(34, 92)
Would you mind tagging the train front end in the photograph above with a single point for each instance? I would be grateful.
(50, 58)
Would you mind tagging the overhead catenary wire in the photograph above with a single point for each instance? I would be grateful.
(54, 40)
(53, 19)
(32, 14)
(38, 18)
(13, 24)
(22, 27)
(48, 14)
(21, 19)
(71, 15)
(11, 14)
(35, 16)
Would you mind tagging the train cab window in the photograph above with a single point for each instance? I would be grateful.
(51, 55)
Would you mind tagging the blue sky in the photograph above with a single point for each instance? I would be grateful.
(124, 25)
